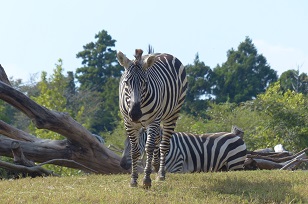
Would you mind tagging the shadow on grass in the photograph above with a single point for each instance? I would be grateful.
(256, 191)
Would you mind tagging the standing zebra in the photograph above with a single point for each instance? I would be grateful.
(198, 153)
(151, 93)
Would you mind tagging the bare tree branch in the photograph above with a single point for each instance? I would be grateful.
(3, 76)
(14, 133)
(24, 169)
(54, 161)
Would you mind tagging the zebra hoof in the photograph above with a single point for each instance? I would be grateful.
(133, 184)
(160, 178)
(161, 175)
(147, 183)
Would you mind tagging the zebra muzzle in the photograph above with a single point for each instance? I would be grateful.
(125, 164)
(135, 113)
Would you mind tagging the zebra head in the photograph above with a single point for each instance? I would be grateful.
(134, 80)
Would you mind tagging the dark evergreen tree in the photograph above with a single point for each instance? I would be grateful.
(244, 75)
(99, 62)
(303, 83)
(294, 81)
(100, 74)
(198, 75)
(107, 117)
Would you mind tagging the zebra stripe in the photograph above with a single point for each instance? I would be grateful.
(151, 93)
(209, 152)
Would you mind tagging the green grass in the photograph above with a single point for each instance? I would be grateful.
(224, 187)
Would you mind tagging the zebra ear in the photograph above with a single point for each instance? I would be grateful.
(123, 60)
(149, 61)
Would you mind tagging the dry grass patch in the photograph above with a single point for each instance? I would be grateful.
(224, 187)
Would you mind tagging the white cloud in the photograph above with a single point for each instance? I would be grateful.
(282, 58)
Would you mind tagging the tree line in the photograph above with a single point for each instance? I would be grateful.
(243, 91)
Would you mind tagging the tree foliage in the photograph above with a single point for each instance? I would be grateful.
(286, 115)
(274, 117)
(100, 75)
(99, 60)
(198, 77)
(292, 80)
(55, 93)
(243, 76)
(52, 96)
(106, 117)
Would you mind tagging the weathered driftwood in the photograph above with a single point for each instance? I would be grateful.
(32, 171)
(19, 157)
(23, 166)
(292, 164)
(272, 160)
(3, 76)
(79, 146)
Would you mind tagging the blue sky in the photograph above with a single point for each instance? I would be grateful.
(35, 34)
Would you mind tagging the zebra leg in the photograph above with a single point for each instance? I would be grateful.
(149, 148)
(156, 154)
(168, 130)
(135, 154)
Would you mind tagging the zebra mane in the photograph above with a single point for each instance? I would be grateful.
(138, 54)
(150, 49)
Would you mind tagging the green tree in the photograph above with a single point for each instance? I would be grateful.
(294, 81)
(51, 96)
(106, 116)
(287, 117)
(198, 75)
(53, 92)
(99, 60)
(100, 75)
(303, 86)
(3, 115)
(243, 76)
(274, 117)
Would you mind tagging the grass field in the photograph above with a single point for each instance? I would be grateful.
(223, 187)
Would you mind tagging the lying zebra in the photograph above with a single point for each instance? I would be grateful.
(221, 151)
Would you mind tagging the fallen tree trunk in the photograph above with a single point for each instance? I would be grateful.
(79, 146)
(33, 171)
(273, 160)
(22, 166)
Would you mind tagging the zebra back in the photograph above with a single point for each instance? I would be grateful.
(206, 152)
